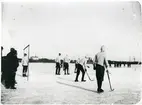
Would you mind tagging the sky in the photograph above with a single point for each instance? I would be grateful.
(73, 28)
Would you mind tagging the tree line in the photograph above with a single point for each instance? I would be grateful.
(89, 61)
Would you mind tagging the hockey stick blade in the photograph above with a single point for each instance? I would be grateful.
(112, 90)
(91, 79)
(89, 76)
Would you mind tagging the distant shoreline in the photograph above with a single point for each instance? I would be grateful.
(90, 61)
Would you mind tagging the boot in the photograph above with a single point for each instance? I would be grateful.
(13, 87)
(99, 90)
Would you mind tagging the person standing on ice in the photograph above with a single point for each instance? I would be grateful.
(12, 65)
(66, 65)
(58, 64)
(99, 63)
(25, 62)
(81, 66)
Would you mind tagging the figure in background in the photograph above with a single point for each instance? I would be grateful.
(66, 65)
(58, 64)
(25, 62)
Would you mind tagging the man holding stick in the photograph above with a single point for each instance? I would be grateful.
(100, 62)
(81, 66)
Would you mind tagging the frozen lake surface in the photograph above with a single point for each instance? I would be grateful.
(44, 87)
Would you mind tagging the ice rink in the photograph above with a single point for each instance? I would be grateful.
(44, 87)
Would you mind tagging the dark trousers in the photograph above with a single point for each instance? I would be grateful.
(80, 68)
(61, 63)
(66, 68)
(58, 69)
(99, 75)
(10, 80)
(25, 68)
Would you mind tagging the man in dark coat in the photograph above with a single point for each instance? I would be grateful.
(12, 65)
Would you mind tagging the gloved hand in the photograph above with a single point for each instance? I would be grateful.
(108, 71)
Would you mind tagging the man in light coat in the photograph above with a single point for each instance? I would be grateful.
(100, 63)
(58, 64)
(81, 66)
(66, 65)
(25, 62)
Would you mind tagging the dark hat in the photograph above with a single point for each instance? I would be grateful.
(12, 50)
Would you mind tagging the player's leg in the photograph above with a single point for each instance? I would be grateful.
(77, 74)
(65, 68)
(99, 77)
(68, 68)
(26, 68)
(56, 72)
(59, 68)
(83, 73)
(23, 71)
